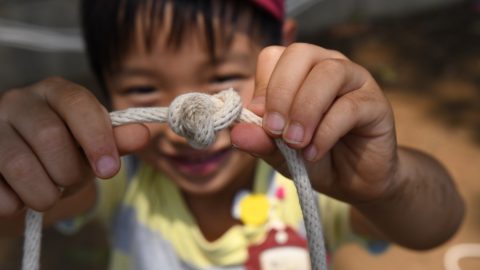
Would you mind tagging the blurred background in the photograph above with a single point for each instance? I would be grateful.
(424, 53)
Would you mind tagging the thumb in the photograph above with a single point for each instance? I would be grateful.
(130, 138)
(254, 140)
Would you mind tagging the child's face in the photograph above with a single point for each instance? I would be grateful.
(155, 78)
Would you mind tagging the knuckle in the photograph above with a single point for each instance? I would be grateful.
(16, 166)
(10, 97)
(77, 97)
(334, 67)
(299, 47)
(45, 202)
(67, 91)
(52, 139)
(336, 54)
(54, 80)
(50, 133)
(352, 106)
(326, 131)
(270, 52)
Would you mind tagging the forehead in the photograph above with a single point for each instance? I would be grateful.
(188, 62)
(191, 59)
(177, 31)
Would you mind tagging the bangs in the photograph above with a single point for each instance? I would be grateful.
(109, 27)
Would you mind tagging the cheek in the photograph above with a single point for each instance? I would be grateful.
(119, 103)
(223, 138)
(246, 91)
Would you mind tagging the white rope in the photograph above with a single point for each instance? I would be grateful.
(197, 117)
(457, 252)
(33, 237)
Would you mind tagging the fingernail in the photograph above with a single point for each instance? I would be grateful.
(294, 133)
(106, 166)
(310, 153)
(275, 123)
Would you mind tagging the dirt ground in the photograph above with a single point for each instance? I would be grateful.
(429, 66)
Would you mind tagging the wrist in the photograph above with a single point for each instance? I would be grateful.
(395, 184)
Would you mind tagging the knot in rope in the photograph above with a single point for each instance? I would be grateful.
(198, 116)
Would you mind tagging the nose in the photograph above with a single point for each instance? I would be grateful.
(173, 137)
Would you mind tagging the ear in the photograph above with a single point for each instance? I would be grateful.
(289, 31)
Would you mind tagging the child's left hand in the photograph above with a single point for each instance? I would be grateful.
(332, 110)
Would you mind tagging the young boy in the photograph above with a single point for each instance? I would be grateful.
(220, 208)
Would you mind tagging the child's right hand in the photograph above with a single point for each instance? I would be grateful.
(56, 134)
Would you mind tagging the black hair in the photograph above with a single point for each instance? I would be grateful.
(109, 26)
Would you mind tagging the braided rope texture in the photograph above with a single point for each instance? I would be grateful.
(197, 117)
(33, 240)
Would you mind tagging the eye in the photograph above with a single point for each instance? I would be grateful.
(227, 78)
(139, 90)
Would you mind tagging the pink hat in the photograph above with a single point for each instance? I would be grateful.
(274, 7)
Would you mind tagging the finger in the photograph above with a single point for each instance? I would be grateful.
(52, 143)
(252, 139)
(328, 80)
(24, 173)
(76, 188)
(291, 70)
(267, 59)
(356, 114)
(131, 138)
(9, 201)
(88, 122)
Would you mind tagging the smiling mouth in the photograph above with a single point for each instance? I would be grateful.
(198, 163)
